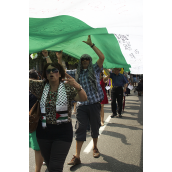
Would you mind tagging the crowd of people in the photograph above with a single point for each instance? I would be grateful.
(86, 89)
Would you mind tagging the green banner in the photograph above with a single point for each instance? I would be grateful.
(67, 33)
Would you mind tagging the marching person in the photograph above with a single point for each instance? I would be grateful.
(118, 81)
(105, 100)
(88, 75)
(134, 80)
(109, 83)
(139, 88)
(54, 131)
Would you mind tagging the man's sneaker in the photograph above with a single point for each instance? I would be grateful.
(113, 115)
(74, 161)
(120, 116)
(96, 153)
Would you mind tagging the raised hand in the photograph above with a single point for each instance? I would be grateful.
(71, 81)
(59, 54)
(88, 42)
(45, 53)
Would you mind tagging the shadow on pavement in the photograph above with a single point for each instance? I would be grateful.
(140, 121)
(123, 126)
(112, 165)
(116, 135)
(140, 114)
(135, 107)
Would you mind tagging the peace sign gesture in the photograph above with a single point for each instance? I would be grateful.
(81, 94)
(71, 81)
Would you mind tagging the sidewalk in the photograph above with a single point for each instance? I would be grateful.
(120, 143)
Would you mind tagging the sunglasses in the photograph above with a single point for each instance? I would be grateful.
(85, 59)
(54, 70)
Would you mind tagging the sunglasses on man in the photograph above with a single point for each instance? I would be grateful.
(87, 59)
(54, 70)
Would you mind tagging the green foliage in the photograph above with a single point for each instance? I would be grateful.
(68, 59)
(73, 60)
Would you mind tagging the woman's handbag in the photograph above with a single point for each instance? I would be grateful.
(34, 116)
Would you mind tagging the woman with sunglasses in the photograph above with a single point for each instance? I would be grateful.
(54, 131)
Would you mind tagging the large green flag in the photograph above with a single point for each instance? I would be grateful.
(67, 33)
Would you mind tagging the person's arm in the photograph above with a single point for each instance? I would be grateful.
(59, 56)
(107, 82)
(30, 80)
(125, 86)
(36, 87)
(105, 79)
(81, 95)
(97, 51)
(45, 54)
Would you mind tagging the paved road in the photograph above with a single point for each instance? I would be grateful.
(120, 142)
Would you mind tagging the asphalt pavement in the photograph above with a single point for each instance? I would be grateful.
(120, 142)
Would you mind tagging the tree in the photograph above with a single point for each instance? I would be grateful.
(69, 59)
(39, 61)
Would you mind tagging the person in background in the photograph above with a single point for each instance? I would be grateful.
(139, 88)
(39, 75)
(119, 81)
(109, 83)
(131, 78)
(126, 92)
(127, 89)
(134, 80)
(105, 100)
(32, 136)
(121, 70)
(107, 91)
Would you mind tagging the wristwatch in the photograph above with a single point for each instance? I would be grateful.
(80, 88)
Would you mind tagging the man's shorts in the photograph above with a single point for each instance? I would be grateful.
(86, 114)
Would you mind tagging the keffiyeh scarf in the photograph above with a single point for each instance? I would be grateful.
(61, 104)
(91, 74)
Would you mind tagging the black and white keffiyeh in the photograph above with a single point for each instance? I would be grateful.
(61, 104)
